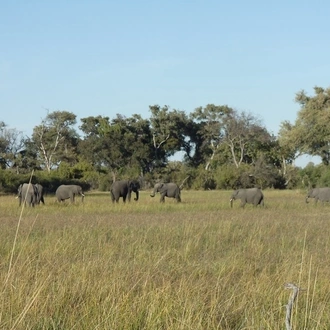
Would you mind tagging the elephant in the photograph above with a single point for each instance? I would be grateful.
(28, 193)
(124, 188)
(319, 194)
(251, 196)
(40, 196)
(69, 191)
(171, 190)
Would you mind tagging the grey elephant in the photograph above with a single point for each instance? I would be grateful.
(28, 193)
(248, 196)
(69, 191)
(171, 190)
(40, 193)
(124, 188)
(319, 194)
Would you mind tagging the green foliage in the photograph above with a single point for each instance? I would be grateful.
(324, 180)
(310, 175)
(55, 140)
(202, 179)
(9, 181)
(227, 177)
(213, 139)
(315, 176)
(311, 133)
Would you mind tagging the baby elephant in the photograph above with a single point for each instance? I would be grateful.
(251, 196)
(171, 190)
(69, 191)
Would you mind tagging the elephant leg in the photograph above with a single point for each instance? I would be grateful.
(178, 197)
(162, 197)
(112, 196)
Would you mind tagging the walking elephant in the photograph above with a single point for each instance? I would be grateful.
(28, 193)
(171, 190)
(69, 191)
(40, 193)
(248, 196)
(319, 194)
(124, 188)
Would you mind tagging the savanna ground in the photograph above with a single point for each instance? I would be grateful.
(145, 265)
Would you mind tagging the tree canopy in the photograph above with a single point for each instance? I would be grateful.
(220, 146)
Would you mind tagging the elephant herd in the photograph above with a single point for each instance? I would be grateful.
(255, 196)
(33, 194)
(124, 189)
(252, 196)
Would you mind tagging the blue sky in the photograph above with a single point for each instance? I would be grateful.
(107, 57)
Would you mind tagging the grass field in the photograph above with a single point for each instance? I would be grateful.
(145, 265)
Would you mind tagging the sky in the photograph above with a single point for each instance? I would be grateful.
(119, 57)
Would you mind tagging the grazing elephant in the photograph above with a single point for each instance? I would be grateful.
(171, 190)
(69, 191)
(40, 196)
(124, 188)
(28, 193)
(319, 194)
(251, 196)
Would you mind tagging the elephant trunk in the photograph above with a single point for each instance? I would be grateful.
(137, 196)
(153, 193)
(231, 202)
(306, 200)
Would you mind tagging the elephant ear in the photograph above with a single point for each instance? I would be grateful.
(134, 184)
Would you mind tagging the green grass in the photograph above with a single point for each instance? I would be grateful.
(145, 265)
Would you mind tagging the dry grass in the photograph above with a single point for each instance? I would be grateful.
(194, 265)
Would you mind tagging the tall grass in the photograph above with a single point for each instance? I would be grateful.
(145, 265)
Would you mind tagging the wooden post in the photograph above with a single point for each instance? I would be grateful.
(289, 306)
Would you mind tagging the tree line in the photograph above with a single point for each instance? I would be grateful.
(221, 148)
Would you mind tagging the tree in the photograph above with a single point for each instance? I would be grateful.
(245, 136)
(311, 130)
(287, 150)
(55, 139)
(168, 132)
(211, 120)
(11, 146)
(120, 144)
(92, 147)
